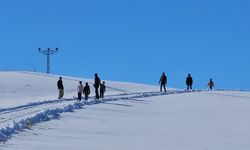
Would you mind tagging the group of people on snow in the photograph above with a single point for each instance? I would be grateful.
(100, 86)
(189, 82)
(84, 89)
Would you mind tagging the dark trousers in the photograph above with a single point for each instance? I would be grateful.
(86, 96)
(164, 86)
(79, 96)
(189, 87)
(101, 94)
(96, 93)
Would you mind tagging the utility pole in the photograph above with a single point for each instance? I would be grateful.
(48, 52)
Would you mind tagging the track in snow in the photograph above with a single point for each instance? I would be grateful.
(16, 119)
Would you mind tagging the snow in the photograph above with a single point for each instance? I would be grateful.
(132, 116)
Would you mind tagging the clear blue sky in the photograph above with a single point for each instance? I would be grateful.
(131, 40)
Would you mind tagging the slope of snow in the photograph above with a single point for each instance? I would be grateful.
(132, 116)
(27, 103)
(17, 88)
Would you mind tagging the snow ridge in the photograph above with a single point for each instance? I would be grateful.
(27, 123)
(29, 105)
(5, 133)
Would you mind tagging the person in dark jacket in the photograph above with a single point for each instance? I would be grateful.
(210, 84)
(60, 88)
(86, 91)
(189, 82)
(102, 89)
(163, 81)
(96, 85)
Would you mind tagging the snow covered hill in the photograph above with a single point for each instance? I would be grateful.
(17, 88)
(131, 117)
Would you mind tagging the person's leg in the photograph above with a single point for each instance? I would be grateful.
(102, 94)
(164, 86)
(86, 96)
(60, 94)
(96, 93)
(79, 96)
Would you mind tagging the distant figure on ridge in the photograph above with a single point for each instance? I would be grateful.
(210, 84)
(189, 82)
(60, 88)
(102, 89)
(96, 85)
(80, 90)
(163, 81)
(86, 90)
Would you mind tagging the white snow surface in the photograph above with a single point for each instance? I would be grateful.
(130, 117)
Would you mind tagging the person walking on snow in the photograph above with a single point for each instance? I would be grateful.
(163, 81)
(86, 90)
(210, 84)
(60, 88)
(96, 85)
(189, 82)
(102, 89)
(80, 90)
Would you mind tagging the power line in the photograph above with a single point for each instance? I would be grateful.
(48, 52)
